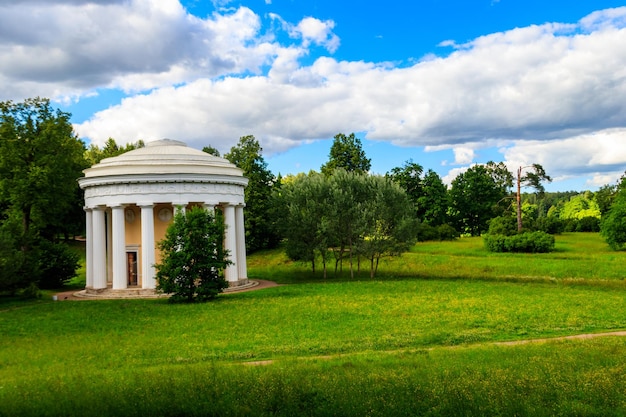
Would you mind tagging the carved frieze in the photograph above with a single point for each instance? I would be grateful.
(163, 188)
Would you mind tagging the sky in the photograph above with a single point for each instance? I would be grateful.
(443, 83)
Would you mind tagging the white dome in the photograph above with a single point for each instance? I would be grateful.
(164, 170)
(163, 157)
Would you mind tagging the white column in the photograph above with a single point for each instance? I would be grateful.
(88, 248)
(109, 258)
(230, 243)
(241, 243)
(120, 281)
(147, 247)
(99, 249)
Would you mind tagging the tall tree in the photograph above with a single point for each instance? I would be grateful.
(261, 233)
(474, 198)
(40, 160)
(434, 202)
(409, 177)
(389, 225)
(534, 176)
(613, 224)
(307, 210)
(346, 153)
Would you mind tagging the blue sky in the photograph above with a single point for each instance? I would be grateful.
(447, 84)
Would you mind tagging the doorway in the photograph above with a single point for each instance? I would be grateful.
(131, 268)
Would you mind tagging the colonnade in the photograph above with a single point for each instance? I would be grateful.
(106, 254)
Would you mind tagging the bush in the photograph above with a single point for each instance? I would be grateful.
(57, 264)
(447, 232)
(529, 242)
(588, 224)
(550, 224)
(503, 225)
(426, 232)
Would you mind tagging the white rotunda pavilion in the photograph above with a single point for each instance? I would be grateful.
(130, 201)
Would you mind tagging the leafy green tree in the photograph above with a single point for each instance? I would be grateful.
(604, 197)
(580, 206)
(261, 232)
(346, 213)
(305, 218)
(346, 153)
(434, 202)
(40, 160)
(389, 224)
(193, 257)
(613, 224)
(95, 154)
(534, 176)
(211, 150)
(409, 177)
(474, 198)
(348, 195)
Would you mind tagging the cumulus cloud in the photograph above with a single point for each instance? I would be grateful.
(555, 89)
(134, 45)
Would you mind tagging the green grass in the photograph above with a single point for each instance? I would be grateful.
(391, 346)
(582, 258)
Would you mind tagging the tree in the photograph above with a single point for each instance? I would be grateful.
(347, 212)
(474, 198)
(532, 178)
(347, 153)
(193, 257)
(389, 224)
(305, 218)
(211, 150)
(40, 160)
(260, 231)
(613, 225)
(409, 177)
(95, 154)
(434, 202)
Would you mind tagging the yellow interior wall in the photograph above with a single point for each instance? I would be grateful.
(160, 227)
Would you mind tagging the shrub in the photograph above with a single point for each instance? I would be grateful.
(503, 225)
(447, 232)
(588, 224)
(550, 224)
(57, 264)
(426, 232)
(529, 242)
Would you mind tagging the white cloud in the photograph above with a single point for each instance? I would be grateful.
(556, 90)
(463, 155)
(135, 45)
(598, 154)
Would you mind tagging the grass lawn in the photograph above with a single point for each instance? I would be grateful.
(391, 346)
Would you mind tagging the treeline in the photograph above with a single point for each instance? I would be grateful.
(343, 212)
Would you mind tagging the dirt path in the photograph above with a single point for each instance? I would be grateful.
(511, 343)
(549, 339)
